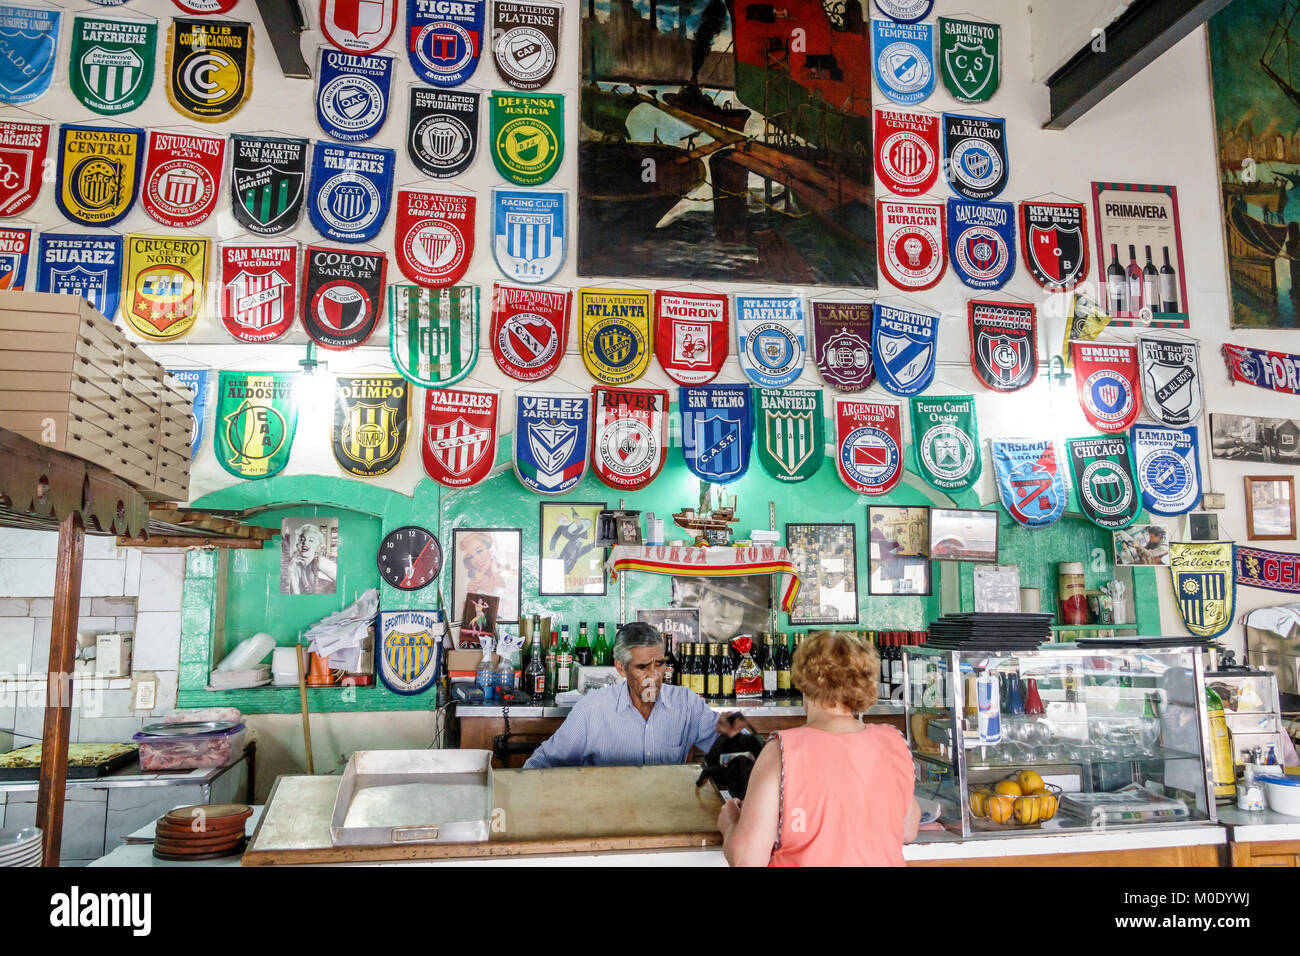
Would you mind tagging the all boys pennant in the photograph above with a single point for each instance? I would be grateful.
(358, 26)
(15, 252)
(527, 133)
(1030, 481)
(717, 430)
(352, 93)
(434, 239)
(166, 285)
(99, 172)
(268, 180)
(1168, 468)
(1054, 242)
(1101, 470)
(1106, 376)
(343, 295)
(111, 63)
(905, 11)
(791, 431)
(460, 435)
(551, 437)
(444, 39)
(1171, 380)
(530, 329)
(907, 151)
(629, 435)
(529, 233)
(982, 242)
(770, 338)
(614, 330)
(22, 164)
(691, 337)
(442, 131)
(975, 155)
(902, 57)
(209, 67)
(182, 177)
(256, 420)
(196, 380)
(910, 243)
(29, 39)
(868, 445)
(527, 42)
(259, 290)
(1279, 371)
(904, 345)
(351, 190)
(368, 432)
(1274, 570)
(841, 344)
(1204, 585)
(1003, 344)
(433, 333)
(970, 58)
(86, 265)
(946, 441)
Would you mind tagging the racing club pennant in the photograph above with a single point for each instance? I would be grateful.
(15, 253)
(352, 93)
(868, 445)
(982, 242)
(530, 330)
(1274, 570)
(166, 282)
(86, 265)
(551, 437)
(433, 333)
(434, 237)
(529, 233)
(22, 158)
(29, 40)
(691, 335)
(99, 172)
(259, 290)
(841, 344)
(907, 151)
(351, 189)
(460, 435)
(1168, 468)
(182, 177)
(904, 344)
(268, 180)
(110, 66)
(444, 38)
(615, 335)
(910, 241)
(256, 419)
(770, 338)
(629, 435)
(442, 131)
(358, 26)
(1030, 481)
(527, 42)
(946, 441)
(1101, 470)
(970, 58)
(343, 295)
(1204, 585)
(791, 431)
(902, 57)
(1279, 371)
(196, 380)
(368, 431)
(209, 67)
(1106, 376)
(1003, 344)
(1171, 380)
(975, 155)
(717, 430)
(1054, 242)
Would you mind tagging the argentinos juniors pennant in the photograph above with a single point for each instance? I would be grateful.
(975, 155)
(369, 428)
(717, 430)
(907, 151)
(614, 329)
(841, 344)
(946, 441)
(1204, 587)
(351, 189)
(1084, 323)
(166, 285)
(1101, 470)
(551, 437)
(1279, 371)
(527, 131)
(259, 290)
(904, 344)
(902, 57)
(444, 39)
(530, 329)
(15, 252)
(910, 242)
(982, 242)
(529, 233)
(256, 418)
(433, 333)
(791, 432)
(442, 131)
(99, 172)
(182, 177)
(629, 435)
(691, 337)
(1168, 468)
(343, 295)
(527, 42)
(352, 93)
(868, 445)
(86, 265)
(770, 338)
(29, 38)
(434, 238)
(1171, 380)
(196, 380)
(1030, 481)
(209, 67)
(1003, 344)
(1274, 570)
(460, 435)
(22, 164)
(110, 65)
(359, 26)
(970, 58)
(1054, 241)
(1106, 376)
(268, 179)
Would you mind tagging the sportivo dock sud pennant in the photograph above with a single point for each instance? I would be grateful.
(1003, 344)
(409, 650)
(433, 333)
(905, 11)
(902, 56)
(551, 437)
(343, 295)
(841, 344)
(907, 151)
(868, 445)
(527, 132)
(529, 233)
(1106, 376)
(530, 329)
(358, 26)
(904, 343)
(259, 290)
(351, 190)
(434, 239)
(442, 131)
(1279, 371)
(444, 39)
(910, 241)
(29, 38)
(970, 58)
(1168, 468)
(614, 330)
(209, 67)
(85, 265)
(369, 429)
(1171, 380)
(99, 172)
(770, 338)
(982, 242)
(1054, 240)
(182, 177)
(268, 179)
(975, 155)
(629, 435)
(1030, 481)
(111, 64)
(460, 435)
(1203, 585)
(15, 252)
(691, 337)
(196, 380)
(1101, 470)
(717, 430)
(946, 441)
(352, 93)
(791, 430)
(22, 164)
(1274, 570)
(527, 42)
(256, 419)
(166, 283)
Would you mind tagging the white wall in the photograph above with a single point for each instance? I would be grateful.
(1061, 28)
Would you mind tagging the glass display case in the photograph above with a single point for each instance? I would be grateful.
(1081, 738)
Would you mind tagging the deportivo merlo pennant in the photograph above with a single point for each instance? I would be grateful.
(22, 161)
(946, 441)
(552, 435)
(268, 180)
(111, 62)
(1003, 344)
(444, 39)
(841, 343)
(904, 345)
(982, 242)
(442, 131)
(530, 329)
(29, 41)
(256, 420)
(99, 172)
(790, 429)
(182, 177)
(970, 58)
(351, 190)
(1101, 470)
(691, 335)
(343, 295)
(529, 233)
(166, 285)
(209, 67)
(359, 26)
(258, 291)
(368, 432)
(614, 329)
(527, 42)
(717, 430)
(433, 333)
(352, 93)
(434, 237)
(86, 265)
(527, 132)
(1030, 480)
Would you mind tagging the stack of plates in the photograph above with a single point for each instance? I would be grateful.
(201, 832)
(20, 847)
(1003, 632)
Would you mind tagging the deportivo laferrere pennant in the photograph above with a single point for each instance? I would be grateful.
(614, 331)
(907, 151)
(442, 131)
(1204, 585)
(111, 62)
(552, 433)
(256, 420)
(770, 338)
(1101, 470)
(1279, 371)
(352, 93)
(904, 344)
(982, 242)
(166, 285)
(970, 58)
(946, 440)
(268, 180)
(530, 329)
(691, 335)
(368, 432)
(259, 290)
(1168, 468)
(902, 58)
(22, 164)
(29, 40)
(434, 238)
(86, 265)
(629, 434)
(444, 39)
(1274, 570)
(343, 295)
(1003, 344)
(905, 11)
(841, 344)
(975, 155)
(460, 435)
(358, 26)
(1171, 380)
(868, 445)
(790, 431)
(351, 190)
(529, 233)
(433, 333)
(182, 177)
(15, 253)
(1054, 242)
(1106, 377)
(196, 380)
(209, 67)
(1030, 481)
(527, 131)
(527, 44)
(717, 430)
(910, 240)
(99, 172)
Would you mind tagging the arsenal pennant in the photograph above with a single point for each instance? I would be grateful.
(1168, 468)
(841, 344)
(970, 58)
(358, 26)
(529, 233)
(29, 39)
(182, 177)
(791, 431)
(110, 67)
(1204, 585)
(209, 67)
(259, 290)
(89, 266)
(629, 435)
(1054, 242)
(982, 242)
(551, 437)
(1171, 380)
(691, 338)
(166, 283)
(352, 94)
(433, 333)
(1279, 371)
(444, 39)
(868, 445)
(1030, 481)
(99, 172)
(442, 131)
(369, 427)
(770, 338)
(268, 179)
(717, 430)
(975, 155)
(1102, 472)
(910, 243)
(1106, 376)
(904, 344)
(946, 441)
(530, 329)
(351, 189)
(460, 435)
(435, 236)
(527, 42)
(1003, 344)
(907, 151)
(614, 330)
(22, 164)
(256, 420)
(343, 295)
(15, 252)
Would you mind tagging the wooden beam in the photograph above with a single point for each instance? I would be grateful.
(187, 541)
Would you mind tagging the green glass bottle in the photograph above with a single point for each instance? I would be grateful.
(600, 651)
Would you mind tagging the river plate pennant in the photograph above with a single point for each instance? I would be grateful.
(1274, 570)
(433, 333)
(1204, 585)
(351, 190)
(1054, 242)
(868, 445)
(209, 67)
(268, 180)
(629, 434)
(368, 433)
(790, 431)
(182, 177)
(358, 26)
(256, 419)
(907, 151)
(1101, 470)
(442, 131)
(86, 265)
(111, 62)
(343, 295)
(529, 233)
(444, 39)
(904, 344)
(1003, 344)
(1171, 380)
(99, 172)
(527, 42)
(434, 237)
(910, 239)
(902, 57)
(22, 164)
(1168, 468)
(1106, 376)
(717, 430)
(691, 335)
(1279, 371)
(982, 242)
(166, 285)
(946, 441)
(460, 435)
(1030, 481)
(770, 338)
(970, 58)
(16, 247)
(530, 329)
(841, 344)
(615, 334)
(29, 40)
(552, 433)
(259, 290)
(352, 93)
(527, 133)
(975, 155)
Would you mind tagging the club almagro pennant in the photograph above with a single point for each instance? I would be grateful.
(1101, 470)
(691, 337)
(1204, 585)
(717, 430)
(1054, 242)
(268, 180)
(1274, 570)
(1106, 376)
(841, 344)
(196, 380)
(905, 11)
(29, 40)
(343, 295)
(982, 242)
(868, 445)
(434, 238)
(970, 58)
(629, 435)
(527, 42)
(256, 419)
(615, 334)
(442, 131)
(444, 39)
(527, 131)
(361, 26)
(209, 67)
(15, 253)
(791, 432)
(259, 290)
(1278, 371)
(1171, 380)
(1168, 468)
(907, 151)
(111, 62)
(1003, 344)
(182, 177)
(22, 164)
(433, 333)
(904, 345)
(352, 93)
(529, 233)
(770, 338)
(460, 435)
(552, 433)
(1030, 481)
(910, 242)
(530, 329)
(409, 641)
(902, 57)
(166, 285)
(946, 441)
(369, 427)
(86, 265)
(99, 172)
(975, 155)
(351, 190)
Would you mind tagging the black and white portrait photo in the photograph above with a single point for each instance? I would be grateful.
(309, 555)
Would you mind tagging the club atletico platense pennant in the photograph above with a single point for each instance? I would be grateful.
(691, 340)
(530, 329)
(1106, 375)
(868, 445)
(460, 435)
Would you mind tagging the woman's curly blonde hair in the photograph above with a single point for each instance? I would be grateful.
(835, 669)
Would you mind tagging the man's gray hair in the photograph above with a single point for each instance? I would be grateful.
(636, 634)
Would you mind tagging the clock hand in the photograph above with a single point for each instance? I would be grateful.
(410, 573)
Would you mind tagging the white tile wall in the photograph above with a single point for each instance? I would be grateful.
(157, 640)
(161, 577)
(16, 644)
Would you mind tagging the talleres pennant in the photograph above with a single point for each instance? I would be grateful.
(629, 435)
(1102, 472)
(717, 430)
(946, 441)
(552, 433)
(460, 435)
(791, 432)
(615, 334)
(868, 445)
(1031, 482)
(259, 289)
(1106, 376)
(1168, 468)
(841, 343)
(691, 335)
(1003, 344)
(530, 329)
(434, 239)
(770, 338)
(368, 433)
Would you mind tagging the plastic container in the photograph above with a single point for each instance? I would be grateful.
(248, 653)
(191, 752)
(1283, 794)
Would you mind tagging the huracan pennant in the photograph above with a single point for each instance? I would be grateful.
(444, 39)
(209, 67)
(1168, 468)
(1031, 483)
(691, 335)
(111, 62)
(790, 432)
(902, 57)
(910, 242)
(629, 435)
(351, 190)
(22, 164)
(841, 344)
(99, 172)
(460, 435)
(717, 430)
(1204, 586)
(29, 40)
(552, 433)
(352, 94)
(442, 131)
(368, 432)
(166, 285)
(527, 42)
(1106, 377)
(434, 238)
(614, 331)
(433, 333)
(89, 266)
(946, 441)
(527, 134)
(770, 338)
(530, 330)
(182, 177)
(904, 345)
(343, 295)
(975, 155)
(982, 242)
(16, 246)
(256, 419)
(268, 180)
(1101, 470)
(907, 151)
(529, 233)
(970, 58)
(258, 292)
(358, 26)
(868, 445)
(1054, 242)
(1171, 380)
(1003, 344)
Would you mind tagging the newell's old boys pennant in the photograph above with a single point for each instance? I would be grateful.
(970, 58)
(460, 435)
(1171, 380)
(770, 338)
(255, 422)
(841, 344)
(196, 380)
(86, 265)
(258, 294)
(629, 435)
(209, 67)
(717, 430)
(22, 164)
(111, 62)
(444, 39)
(1003, 344)
(343, 295)
(1030, 481)
(1168, 468)
(1054, 242)
(902, 57)
(868, 445)
(791, 432)
(352, 93)
(182, 177)
(1101, 470)
(904, 345)
(527, 132)
(946, 441)
(442, 131)
(1278, 371)
(368, 433)
(614, 333)
(910, 242)
(29, 40)
(975, 155)
(1274, 570)
(691, 335)
(527, 42)
(166, 285)
(99, 172)
(1106, 376)
(530, 233)
(1204, 585)
(552, 433)
(359, 26)
(434, 238)
(530, 329)
(268, 180)
(907, 151)
(351, 190)
(15, 252)
(982, 242)
(433, 333)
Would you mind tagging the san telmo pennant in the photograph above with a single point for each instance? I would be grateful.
(99, 172)
(530, 329)
(790, 432)
(904, 345)
(910, 241)
(717, 430)
(902, 57)
(351, 190)
(29, 40)
(615, 334)
(442, 131)
(22, 159)
(527, 131)
(182, 177)
(368, 432)
(975, 155)
(770, 338)
(258, 292)
(166, 285)
(1031, 483)
(196, 380)
(434, 238)
(1054, 242)
(552, 433)
(1168, 468)
(1171, 380)
(1274, 570)
(16, 247)
(970, 58)
(256, 419)
(1279, 371)
(982, 242)
(444, 39)
(361, 26)
(111, 62)
(352, 93)
(209, 67)
(907, 151)
(85, 265)
(1106, 376)
(1204, 585)
(460, 435)
(529, 233)
(1084, 322)
(1003, 344)
(868, 445)
(629, 435)
(343, 295)
(946, 441)
(433, 333)
(1101, 470)
(841, 344)
(268, 180)
(691, 335)
(527, 43)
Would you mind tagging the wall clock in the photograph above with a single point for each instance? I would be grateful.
(409, 558)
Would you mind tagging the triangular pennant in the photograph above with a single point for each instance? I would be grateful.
(790, 432)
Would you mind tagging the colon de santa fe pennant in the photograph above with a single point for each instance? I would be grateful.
(15, 253)
(551, 437)
(442, 131)
(358, 26)
(460, 435)
(352, 93)
(1106, 375)
(527, 42)
(868, 445)
(530, 330)
(910, 240)
(975, 155)
(434, 237)
(444, 39)
(29, 40)
(351, 190)
(209, 67)
(902, 57)
(1054, 242)
(268, 180)
(99, 172)
(717, 430)
(904, 345)
(841, 344)
(1274, 570)
(791, 432)
(256, 419)
(1279, 371)
(1204, 585)
(529, 233)
(691, 335)
(905, 11)
(615, 335)
(946, 441)
(166, 285)
(1003, 344)
(1171, 380)
(259, 290)
(982, 242)
(196, 380)
(1030, 481)
(111, 62)
(1101, 470)
(433, 333)
(970, 58)
(770, 338)
(86, 265)
(182, 178)
(343, 295)
(1168, 468)
(527, 131)
(629, 434)
(368, 433)
(907, 151)
(22, 164)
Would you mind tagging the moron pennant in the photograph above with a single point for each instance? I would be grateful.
(1101, 470)
(22, 164)
(209, 67)
(615, 334)
(368, 434)
(434, 238)
(868, 445)
(256, 419)
(460, 435)
(1168, 468)
(530, 330)
(1054, 242)
(166, 283)
(791, 431)
(527, 132)
(196, 380)
(527, 42)
(770, 338)
(904, 345)
(1171, 380)
(629, 435)
(902, 58)
(946, 441)
(1274, 570)
(111, 62)
(970, 58)
(433, 333)
(907, 151)
(358, 26)
(268, 180)
(99, 172)
(29, 40)
(352, 93)
(975, 155)
(442, 131)
(717, 430)
(910, 240)
(1030, 481)
(182, 177)
(259, 290)
(444, 39)
(351, 190)
(841, 344)
(1278, 371)
(343, 295)
(691, 335)
(1106, 376)
(1003, 344)
(551, 437)
(89, 266)
(1204, 585)
(15, 253)
(529, 233)
(982, 242)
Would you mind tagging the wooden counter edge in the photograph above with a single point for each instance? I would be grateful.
(1165, 856)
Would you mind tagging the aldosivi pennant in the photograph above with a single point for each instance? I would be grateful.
(111, 62)
(351, 190)
(352, 93)
(970, 58)
(1168, 468)
(982, 242)
(87, 265)
(529, 233)
(791, 430)
(1101, 470)
(433, 333)
(717, 430)
(902, 56)
(551, 441)
(256, 419)
(29, 39)
(770, 338)
(1171, 380)
(904, 342)
(1204, 585)
(1031, 483)
(946, 441)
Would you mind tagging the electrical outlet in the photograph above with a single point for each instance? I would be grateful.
(144, 692)
(1213, 501)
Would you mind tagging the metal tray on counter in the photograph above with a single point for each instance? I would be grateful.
(391, 797)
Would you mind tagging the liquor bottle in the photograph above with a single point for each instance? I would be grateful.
(552, 664)
(1116, 286)
(898, 674)
(689, 665)
(1222, 773)
(582, 650)
(886, 671)
(769, 668)
(535, 676)
(700, 677)
(564, 662)
(1134, 276)
(1168, 286)
(671, 666)
(728, 681)
(783, 661)
(1151, 283)
(600, 650)
(713, 679)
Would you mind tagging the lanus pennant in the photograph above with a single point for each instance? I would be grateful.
(1003, 344)
(614, 331)
(460, 435)
(434, 238)
(268, 178)
(551, 437)
(1204, 585)
(791, 431)
(1171, 380)
(1031, 483)
(691, 335)
(717, 430)
(1101, 470)
(1106, 376)
(433, 333)
(868, 445)
(629, 435)
(370, 420)
(904, 343)
(946, 441)
(259, 290)
(982, 242)
(256, 419)
(1168, 468)
(529, 233)
(841, 344)
(530, 329)
(770, 338)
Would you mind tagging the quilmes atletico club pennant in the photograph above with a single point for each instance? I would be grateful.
(770, 337)
(1054, 241)
(791, 431)
(444, 39)
(529, 233)
(970, 58)
(29, 39)
(15, 252)
(1204, 585)
(111, 63)
(1030, 481)
(259, 290)
(904, 345)
(433, 333)
(614, 329)
(368, 433)
(209, 67)
(1279, 371)
(351, 190)
(551, 437)
(975, 155)
(182, 178)
(84, 265)
(343, 295)
(629, 435)
(910, 241)
(868, 445)
(841, 344)
(717, 430)
(268, 180)
(1003, 344)
(982, 242)
(527, 42)
(1106, 376)
(352, 93)
(22, 164)
(99, 172)
(442, 131)
(1168, 468)
(530, 329)
(256, 420)
(166, 282)
(1274, 570)
(434, 239)
(902, 57)
(358, 26)
(946, 441)
(691, 337)
(907, 151)
(460, 435)
(1101, 470)
(1171, 380)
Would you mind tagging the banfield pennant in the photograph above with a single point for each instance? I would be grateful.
(717, 430)
(369, 428)
(1003, 344)
(99, 172)
(841, 344)
(1031, 483)
(551, 437)
(435, 236)
(907, 151)
(530, 329)
(868, 445)
(691, 335)
(770, 338)
(791, 432)
(444, 39)
(460, 435)
(615, 336)
(22, 164)
(629, 435)
(259, 290)
(904, 342)
(29, 38)
(358, 26)
(1106, 376)
(182, 177)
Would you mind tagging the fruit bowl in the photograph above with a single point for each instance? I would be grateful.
(1011, 806)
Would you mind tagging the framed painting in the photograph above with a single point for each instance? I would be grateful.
(826, 557)
(487, 561)
(898, 554)
(568, 559)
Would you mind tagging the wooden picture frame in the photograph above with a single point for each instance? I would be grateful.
(817, 561)
(488, 561)
(1270, 508)
(550, 549)
(897, 573)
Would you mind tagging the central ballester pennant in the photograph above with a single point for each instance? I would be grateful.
(99, 172)
(1106, 376)
(1003, 344)
(907, 151)
(691, 337)
(442, 131)
(791, 431)
(209, 67)
(256, 419)
(369, 428)
(259, 290)
(717, 430)
(527, 42)
(87, 266)
(530, 329)
(868, 445)
(1053, 238)
(268, 179)
(460, 435)
(434, 239)
(351, 190)
(343, 295)
(552, 433)
(358, 26)
(110, 67)
(770, 338)
(22, 164)
(841, 344)
(444, 39)
(629, 435)
(352, 94)
(433, 333)
(1204, 585)
(614, 330)
(182, 177)
(166, 283)
(910, 242)
(1102, 472)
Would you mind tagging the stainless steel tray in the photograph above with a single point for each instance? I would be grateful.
(389, 797)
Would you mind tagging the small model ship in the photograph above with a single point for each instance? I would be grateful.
(711, 524)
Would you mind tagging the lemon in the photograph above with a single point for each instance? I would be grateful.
(1009, 787)
(1030, 782)
(1001, 808)
(1027, 810)
(979, 803)
(1047, 810)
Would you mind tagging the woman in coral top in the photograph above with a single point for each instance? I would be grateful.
(834, 792)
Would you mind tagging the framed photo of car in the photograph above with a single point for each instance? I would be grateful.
(569, 561)
(960, 534)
